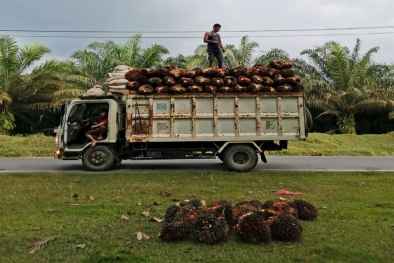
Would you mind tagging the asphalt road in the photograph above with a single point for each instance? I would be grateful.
(275, 163)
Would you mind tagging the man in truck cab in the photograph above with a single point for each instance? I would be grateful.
(214, 45)
(98, 129)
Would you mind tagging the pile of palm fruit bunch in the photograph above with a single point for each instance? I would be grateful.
(252, 221)
(277, 76)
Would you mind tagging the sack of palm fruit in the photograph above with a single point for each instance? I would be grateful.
(145, 89)
(178, 89)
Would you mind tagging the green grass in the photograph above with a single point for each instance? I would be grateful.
(317, 144)
(355, 223)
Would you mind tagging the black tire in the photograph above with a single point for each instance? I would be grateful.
(309, 120)
(98, 158)
(240, 157)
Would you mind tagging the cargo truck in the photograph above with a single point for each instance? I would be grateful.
(237, 128)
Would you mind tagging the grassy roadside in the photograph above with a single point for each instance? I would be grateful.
(355, 222)
(316, 145)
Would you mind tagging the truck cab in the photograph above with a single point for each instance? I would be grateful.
(78, 118)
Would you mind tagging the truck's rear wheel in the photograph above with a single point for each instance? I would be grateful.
(98, 158)
(240, 157)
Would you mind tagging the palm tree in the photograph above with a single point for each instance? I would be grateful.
(101, 58)
(345, 83)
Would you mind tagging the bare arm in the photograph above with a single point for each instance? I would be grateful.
(221, 45)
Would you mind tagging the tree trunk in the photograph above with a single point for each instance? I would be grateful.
(347, 124)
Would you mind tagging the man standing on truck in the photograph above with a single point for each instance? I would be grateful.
(99, 129)
(214, 45)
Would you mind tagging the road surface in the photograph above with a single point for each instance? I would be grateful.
(275, 163)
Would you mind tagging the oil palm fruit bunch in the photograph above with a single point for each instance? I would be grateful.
(161, 72)
(255, 88)
(294, 80)
(276, 64)
(176, 73)
(267, 81)
(240, 88)
(257, 79)
(225, 89)
(209, 229)
(132, 74)
(287, 64)
(209, 72)
(284, 88)
(285, 227)
(185, 81)
(242, 80)
(178, 89)
(194, 204)
(145, 89)
(218, 82)
(236, 72)
(281, 207)
(279, 80)
(201, 80)
(269, 72)
(132, 85)
(286, 73)
(161, 89)
(169, 67)
(191, 73)
(195, 89)
(268, 89)
(252, 227)
(175, 230)
(222, 208)
(299, 88)
(210, 89)
(229, 81)
(306, 211)
(242, 208)
(169, 81)
(155, 81)
(172, 212)
(222, 72)
(149, 72)
(142, 79)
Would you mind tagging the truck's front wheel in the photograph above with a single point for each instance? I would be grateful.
(240, 157)
(98, 158)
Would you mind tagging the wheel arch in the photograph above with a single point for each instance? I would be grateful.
(223, 147)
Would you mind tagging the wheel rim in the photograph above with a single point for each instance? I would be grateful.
(98, 157)
(241, 158)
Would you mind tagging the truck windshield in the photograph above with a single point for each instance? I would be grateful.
(76, 112)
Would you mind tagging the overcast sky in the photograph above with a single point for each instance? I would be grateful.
(200, 15)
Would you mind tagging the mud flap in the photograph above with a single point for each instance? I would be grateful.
(262, 155)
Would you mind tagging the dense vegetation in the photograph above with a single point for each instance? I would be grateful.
(346, 90)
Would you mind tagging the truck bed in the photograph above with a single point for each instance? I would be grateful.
(215, 117)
